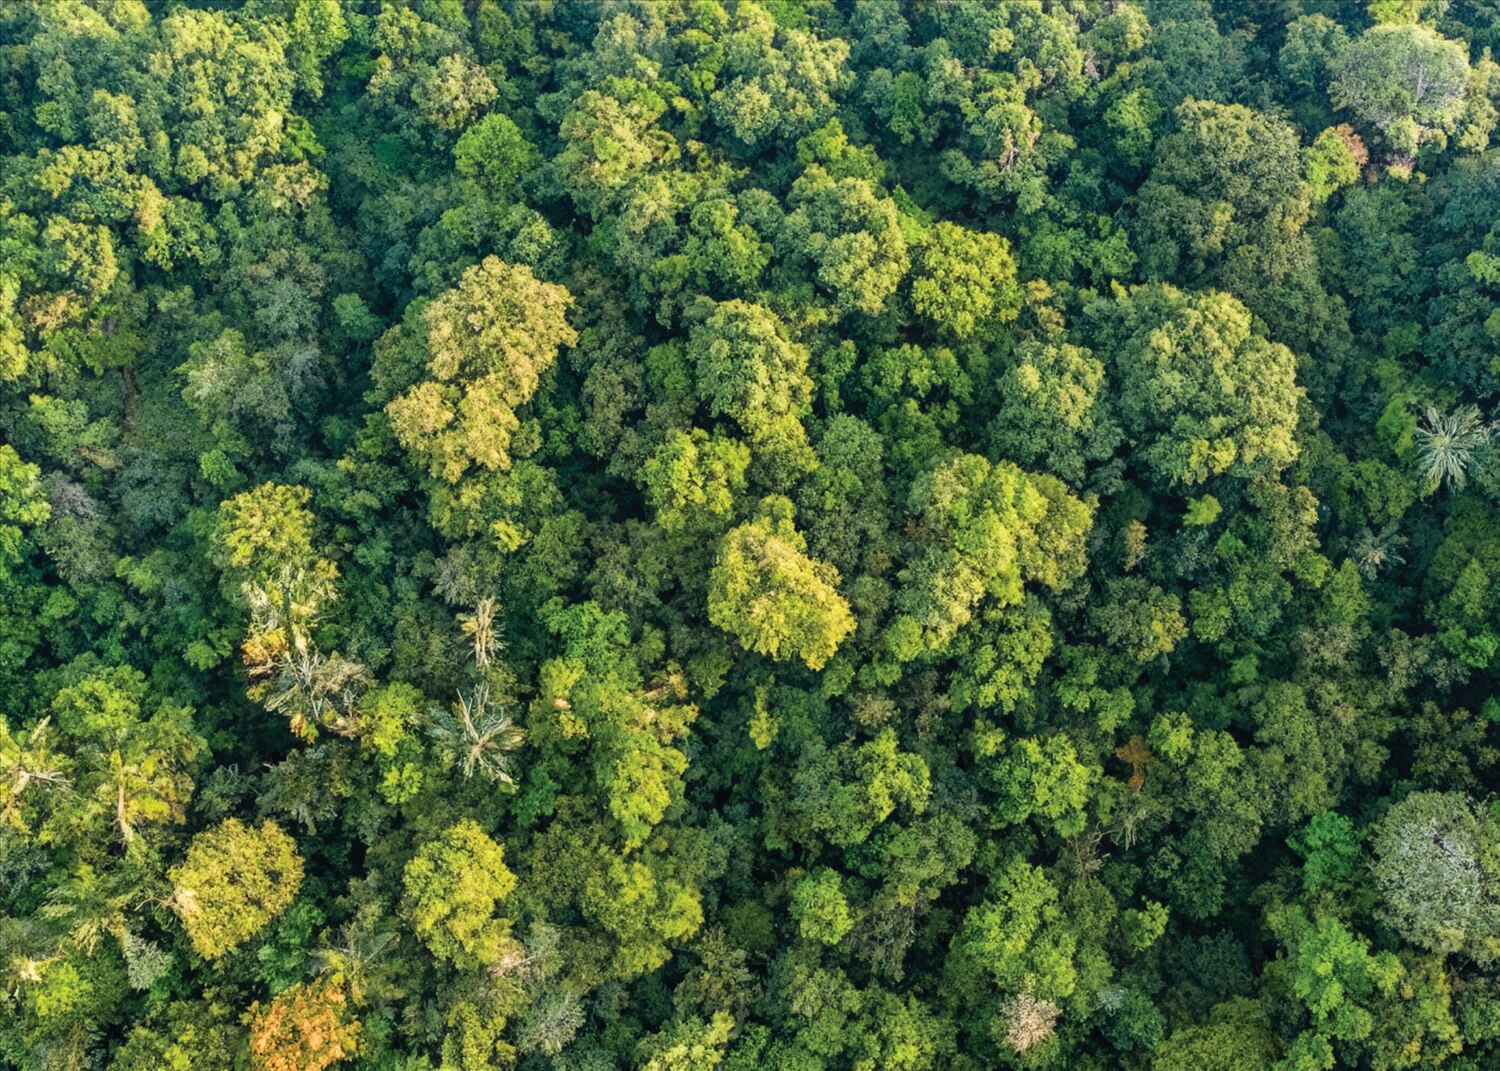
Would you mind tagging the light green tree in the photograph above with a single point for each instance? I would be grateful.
(965, 281)
(819, 908)
(452, 888)
(749, 368)
(851, 237)
(693, 480)
(984, 532)
(1201, 392)
(1044, 777)
(1016, 939)
(235, 880)
(22, 505)
(136, 769)
(766, 592)
(488, 342)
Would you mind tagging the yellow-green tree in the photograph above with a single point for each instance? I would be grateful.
(487, 344)
(235, 879)
(766, 592)
(453, 886)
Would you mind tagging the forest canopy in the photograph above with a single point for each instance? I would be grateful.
(807, 535)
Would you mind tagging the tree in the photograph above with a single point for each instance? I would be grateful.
(21, 503)
(776, 82)
(1332, 855)
(1236, 1037)
(609, 145)
(265, 538)
(985, 531)
(642, 903)
(747, 367)
(1201, 393)
(478, 734)
(693, 480)
(1334, 974)
(1028, 1021)
(722, 250)
(1044, 777)
(452, 887)
(1312, 43)
(494, 153)
(819, 907)
(1436, 865)
(138, 770)
(306, 1028)
(595, 693)
(769, 595)
(316, 33)
(185, 1034)
(843, 793)
(965, 280)
(1140, 619)
(851, 238)
(1054, 410)
(1225, 206)
(199, 58)
(264, 529)
(689, 1046)
(1333, 161)
(844, 501)
(916, 397)
(235, 880)
(487, 343)
(1445, 443)
(1405, 80)
(1228, 177)
(243, 393)
(1132, 121)
(1016, 939)
(30, 767)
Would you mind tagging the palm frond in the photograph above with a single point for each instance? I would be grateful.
(478, 735)
(1446, 442)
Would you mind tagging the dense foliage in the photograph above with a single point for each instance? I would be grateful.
(806, 535)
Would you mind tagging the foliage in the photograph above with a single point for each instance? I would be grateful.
(452, 886)
(793, 534)
(772, 597)
(1200, 390)
(820, 909)
(1404, 79)
(1445, 443)
(1435, 868)
(305, 1028)
(487, 343)
(235, 880)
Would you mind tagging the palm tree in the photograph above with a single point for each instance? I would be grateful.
(353, 962)
(1445, 443)
(477, 735)
(313, 689)
(1375, 550)
(479, 627)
